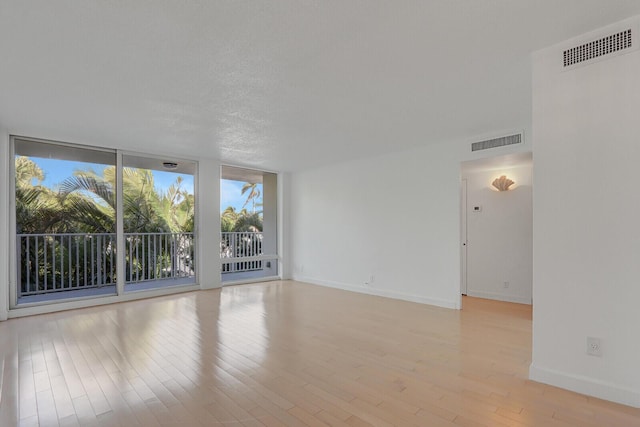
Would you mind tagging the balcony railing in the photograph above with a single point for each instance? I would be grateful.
(157, 256)
(63, 262)
(237, 245)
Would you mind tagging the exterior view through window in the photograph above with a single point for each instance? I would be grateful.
(65, 221)
(158, 207)
(248, 218)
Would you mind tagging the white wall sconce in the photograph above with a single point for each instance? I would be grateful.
(503, 183)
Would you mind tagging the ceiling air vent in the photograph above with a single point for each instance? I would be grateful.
(596, 48)
(497, 142)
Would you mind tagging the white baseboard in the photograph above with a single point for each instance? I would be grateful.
(499, 297)
(586, 385)
(379, 292)
(249, 281)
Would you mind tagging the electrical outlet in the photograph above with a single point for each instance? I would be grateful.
(594, 346)
(505, 284)
(372, 279)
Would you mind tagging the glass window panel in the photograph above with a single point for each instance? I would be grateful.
(158, 215)
(248, 239)
(65, 221)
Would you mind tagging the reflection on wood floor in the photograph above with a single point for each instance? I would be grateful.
(283, 353)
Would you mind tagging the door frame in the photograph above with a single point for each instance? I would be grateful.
(463, 237)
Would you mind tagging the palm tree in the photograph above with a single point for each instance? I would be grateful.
(90, 201)
(228, 219)
(26, 172)
(177, 207)
(86, 203)
(254, 194)
(233, 221)
(37, 207)
(248, 222)
(40, 210)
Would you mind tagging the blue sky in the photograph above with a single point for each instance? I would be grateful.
(57, 171)
(231, 195)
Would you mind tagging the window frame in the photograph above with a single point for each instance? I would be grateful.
(120, 294)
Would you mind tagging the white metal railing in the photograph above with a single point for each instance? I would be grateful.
(156, 256)
(234, 246)
(63, 262)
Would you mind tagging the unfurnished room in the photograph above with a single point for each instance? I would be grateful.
(319, 213)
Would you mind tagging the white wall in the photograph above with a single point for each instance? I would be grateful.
(4, 223)
(208, 232)
(499, 247)
(586, 222)
(394, 217)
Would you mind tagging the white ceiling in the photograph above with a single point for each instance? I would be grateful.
(280, 85)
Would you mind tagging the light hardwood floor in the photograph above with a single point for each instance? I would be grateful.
(283, 353)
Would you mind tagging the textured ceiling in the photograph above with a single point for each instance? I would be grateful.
(280, 85)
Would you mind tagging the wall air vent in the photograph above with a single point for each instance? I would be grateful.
(497, 142)
(597, 48)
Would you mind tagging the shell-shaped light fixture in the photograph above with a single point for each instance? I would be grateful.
(503, 183)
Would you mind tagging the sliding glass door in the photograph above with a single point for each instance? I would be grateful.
(67, 203)
(65, 221)
(158, 218)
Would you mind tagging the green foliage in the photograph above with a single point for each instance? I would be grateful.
(86, 202)
(37, 207)
(230, 220)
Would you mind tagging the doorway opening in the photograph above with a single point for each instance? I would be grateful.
(248, 225)
(497, 228)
